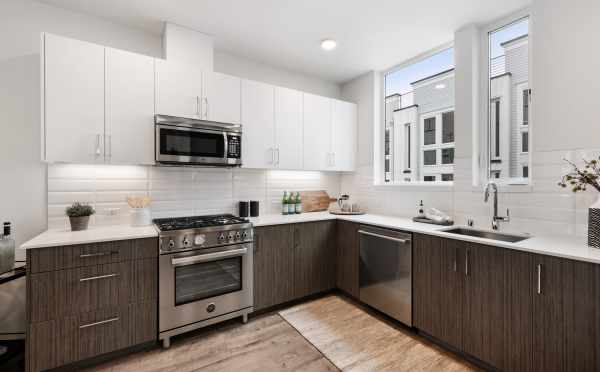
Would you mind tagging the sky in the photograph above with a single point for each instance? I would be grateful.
(399, 81)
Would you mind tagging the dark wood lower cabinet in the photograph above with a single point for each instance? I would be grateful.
(347, 257)
(273, 265)
(512, 310)
(315, 257)
(85, 308)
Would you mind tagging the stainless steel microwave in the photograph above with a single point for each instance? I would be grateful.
(183, 141)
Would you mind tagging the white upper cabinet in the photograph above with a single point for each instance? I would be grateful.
(221, 98)
(258, 125)
(129, 108)
(317, 133)
(73, 100)
(288, 128)
(343, 135)
(178, 89)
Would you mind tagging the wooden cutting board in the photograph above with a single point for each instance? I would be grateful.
(315, 201)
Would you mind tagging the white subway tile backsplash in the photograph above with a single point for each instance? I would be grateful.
(174, 191)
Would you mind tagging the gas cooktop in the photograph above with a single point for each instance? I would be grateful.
(196, 222)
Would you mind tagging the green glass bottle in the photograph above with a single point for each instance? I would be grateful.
(298, 203)
(284, 204)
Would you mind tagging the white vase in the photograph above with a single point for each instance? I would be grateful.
(594, 224)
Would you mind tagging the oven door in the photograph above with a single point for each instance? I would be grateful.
(203, 284)
(175, 144)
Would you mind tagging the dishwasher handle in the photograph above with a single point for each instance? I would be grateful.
(398, 240)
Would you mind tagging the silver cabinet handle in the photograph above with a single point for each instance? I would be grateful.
(539, 279)
(98, 152)
(467, 262)
(207, 107)
(198, 106)
(272, 155)
(333, 159)
(99, 254)
(110, 146)
(277, 150)
(98, 277)
(208, 257)
(98, 323)
(403, 241)
(454, 266)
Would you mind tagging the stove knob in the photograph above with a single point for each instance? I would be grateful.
(186, 241)
(230, 236)
(221, 237)
(171, 244)
(237, 235)
(245, 235)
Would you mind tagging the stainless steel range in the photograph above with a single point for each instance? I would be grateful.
(205, 272)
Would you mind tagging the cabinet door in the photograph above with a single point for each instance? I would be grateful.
(129, 108)
(73, 100)
(221, 98)
(273, 266)
(258, 121)
(452, 280)
(427, 284)
(178, 89)
(483, 317)
(548, 319)
(343, 135)
(347, 257)
(317, 133)
(288, 128)
(518, 312)
(315, 257)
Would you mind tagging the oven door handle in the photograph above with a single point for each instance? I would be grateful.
(184, 261)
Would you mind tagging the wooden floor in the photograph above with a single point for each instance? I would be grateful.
(343, 335)
(355, 340)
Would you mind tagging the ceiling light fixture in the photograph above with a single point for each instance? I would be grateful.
(440, 86)
(328, 44)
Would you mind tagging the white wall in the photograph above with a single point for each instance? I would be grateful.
(228, 63)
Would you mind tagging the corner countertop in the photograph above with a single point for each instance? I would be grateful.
(570, 247)
(54, 238)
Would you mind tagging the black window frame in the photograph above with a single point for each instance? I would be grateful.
(445, 132)
(425, 157)
(428, 129)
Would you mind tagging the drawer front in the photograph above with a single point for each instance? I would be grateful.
(57, 294)
(66, 257)
(59, 342)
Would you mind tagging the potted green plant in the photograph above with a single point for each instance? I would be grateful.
(79, 215)
(579, 179)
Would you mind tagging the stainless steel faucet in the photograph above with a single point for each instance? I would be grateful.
(495, 217)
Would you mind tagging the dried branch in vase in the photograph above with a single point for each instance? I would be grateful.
(580, 178)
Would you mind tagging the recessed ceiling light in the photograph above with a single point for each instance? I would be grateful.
(328, 44)
(440, 86)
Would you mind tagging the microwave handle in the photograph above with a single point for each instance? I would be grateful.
(184, 261)
(226, 142)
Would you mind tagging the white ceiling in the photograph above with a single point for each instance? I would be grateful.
(371, 34)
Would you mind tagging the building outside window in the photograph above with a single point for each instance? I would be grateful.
(419, 107)
(509, 104)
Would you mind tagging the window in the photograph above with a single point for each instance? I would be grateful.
(448, 156)
(429, 157)
(448, 127)
(448, 177)
(526, 107)
(429, 178)
(526, 171)
(429, 131)
(419, 111)
(507, 146)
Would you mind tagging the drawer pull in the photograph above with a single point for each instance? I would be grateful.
(98, 277)
(99, 323)
(99, 254)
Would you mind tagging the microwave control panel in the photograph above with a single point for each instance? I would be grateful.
(234, 146)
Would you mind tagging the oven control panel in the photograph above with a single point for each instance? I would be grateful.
(182, 240)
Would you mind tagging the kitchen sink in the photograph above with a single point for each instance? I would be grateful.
(510, 238)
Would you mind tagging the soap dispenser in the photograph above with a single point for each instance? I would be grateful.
(421, 210)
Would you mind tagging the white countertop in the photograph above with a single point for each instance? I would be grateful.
(54, 238)
(560, 246)
(571, 247)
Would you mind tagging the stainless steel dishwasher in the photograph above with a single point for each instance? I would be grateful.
(385, 272)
